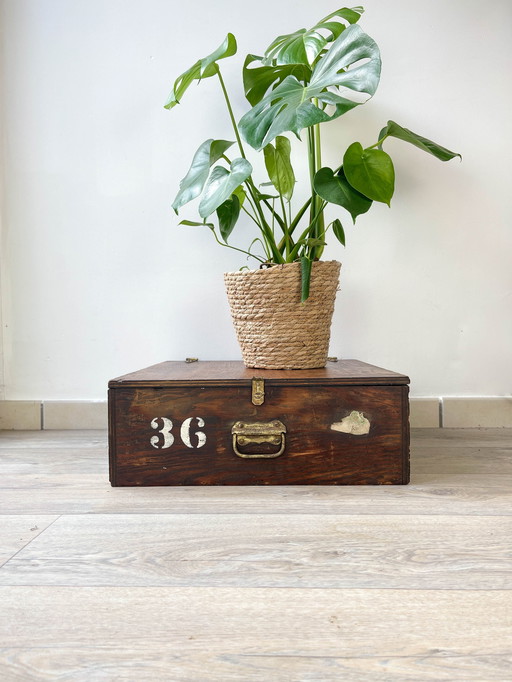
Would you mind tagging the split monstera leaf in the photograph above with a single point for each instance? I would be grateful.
(303, 80)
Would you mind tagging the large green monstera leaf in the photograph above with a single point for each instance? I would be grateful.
(194, 181)
(221, 184)
(294, 54)
(292, 106)
(304, 46)
(216, 186)
(203, 68)
(259, 79)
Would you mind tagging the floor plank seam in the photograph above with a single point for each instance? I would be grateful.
(263, 587)
(340, 513)
(31, 539)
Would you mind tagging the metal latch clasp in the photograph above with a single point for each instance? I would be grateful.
(257, 391)
(259, 433)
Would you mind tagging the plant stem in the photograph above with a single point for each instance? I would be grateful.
(294, 223)
(312, 171)
(264, 227)
(378, 143)
(320, 227)
(318, 147)
(316, 216)
(285, 228)
(234, 248)
(306, 232)
(250, 214)
(274, 213)
(231, 115)
(299, 215)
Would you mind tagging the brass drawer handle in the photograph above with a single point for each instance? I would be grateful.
(257, 433)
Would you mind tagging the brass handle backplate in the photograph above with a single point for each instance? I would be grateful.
(258, 433)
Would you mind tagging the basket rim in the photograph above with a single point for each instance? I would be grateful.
(278, 267)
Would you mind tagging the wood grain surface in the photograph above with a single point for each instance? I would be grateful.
(343, 372)
(281, 584)
(313, 454)
(216, 395)
(254, 634)
(176, 662)
(269, 550)
(18, 531)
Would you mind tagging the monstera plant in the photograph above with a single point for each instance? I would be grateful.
(302, 81)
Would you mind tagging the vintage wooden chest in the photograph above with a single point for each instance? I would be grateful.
(219, 423)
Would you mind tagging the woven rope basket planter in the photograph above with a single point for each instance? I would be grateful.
(274, 329)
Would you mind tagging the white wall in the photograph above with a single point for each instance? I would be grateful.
(98, 279)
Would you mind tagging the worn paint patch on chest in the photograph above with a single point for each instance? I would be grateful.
(355, 423)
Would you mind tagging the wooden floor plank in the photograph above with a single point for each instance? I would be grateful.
(54, 440)
(464, 480)
(49, 461)
(155, 663)
(451, 460)
(317, 551)
(461, 438)
(286, 622)
(53, 480)
(439, 496)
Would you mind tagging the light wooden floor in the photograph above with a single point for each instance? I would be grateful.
(269, 584)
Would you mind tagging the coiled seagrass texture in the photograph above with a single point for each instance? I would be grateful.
(274, 329)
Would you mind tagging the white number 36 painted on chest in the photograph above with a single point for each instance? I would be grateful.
(164, 427)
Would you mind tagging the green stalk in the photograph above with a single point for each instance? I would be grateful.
(234, 248)
(318, 147)
(275, 215)
(378, 143)
(299, 215)
(320, 226)
(264, 227)
(307, 232)
(312, 151)
(294, 223)
(231, 115)
(285, 228)
(312, 171)
(249, 214)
